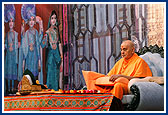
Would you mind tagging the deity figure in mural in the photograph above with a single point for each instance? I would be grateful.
(11, 47)
(31, 40)
(54, 53)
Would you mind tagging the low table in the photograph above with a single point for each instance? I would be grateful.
(59, 102)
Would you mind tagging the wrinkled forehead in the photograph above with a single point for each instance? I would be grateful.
(128, 44)
(124, 45)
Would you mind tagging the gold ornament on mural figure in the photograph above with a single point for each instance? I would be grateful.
(10, 47)
(31, 47)
(53, 42)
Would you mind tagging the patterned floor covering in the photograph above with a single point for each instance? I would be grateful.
(58, 102)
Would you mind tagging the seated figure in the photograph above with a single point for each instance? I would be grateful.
(128, 67)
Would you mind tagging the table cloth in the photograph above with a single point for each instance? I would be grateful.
(59, 102)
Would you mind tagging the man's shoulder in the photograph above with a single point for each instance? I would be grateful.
(136, 59)
(120, 61)
(140, 60)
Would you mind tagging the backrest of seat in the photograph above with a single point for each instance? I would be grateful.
(155, 62)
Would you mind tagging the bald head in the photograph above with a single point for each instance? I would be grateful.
(127, 49)
(129, 43)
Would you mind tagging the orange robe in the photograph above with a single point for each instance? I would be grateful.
(135, 67)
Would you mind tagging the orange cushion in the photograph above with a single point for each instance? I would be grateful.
(90, 78)
(104, 81)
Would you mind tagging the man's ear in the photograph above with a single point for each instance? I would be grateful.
(133, 49)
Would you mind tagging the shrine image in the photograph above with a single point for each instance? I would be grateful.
(106, 57)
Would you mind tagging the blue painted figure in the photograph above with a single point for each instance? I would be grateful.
(11, 47)
(54, 52)
(31, 41)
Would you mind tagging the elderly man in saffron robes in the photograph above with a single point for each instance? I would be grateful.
(128, 67)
